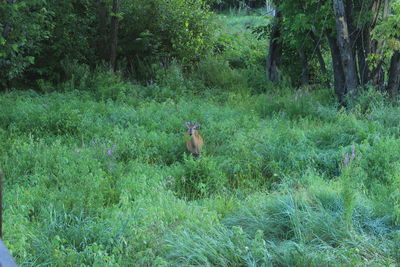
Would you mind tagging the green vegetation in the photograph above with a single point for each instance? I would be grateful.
(109, 182)
(97, 172)
(40, 39)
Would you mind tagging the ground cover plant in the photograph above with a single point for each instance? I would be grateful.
(100, 183)
(97, 172)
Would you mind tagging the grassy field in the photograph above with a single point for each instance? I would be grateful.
(100, 176)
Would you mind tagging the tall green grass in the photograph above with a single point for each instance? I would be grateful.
(105, 183)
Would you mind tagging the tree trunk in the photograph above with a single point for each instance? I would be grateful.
(353, 33)
(363, 49)
(305, 73)
(275, 50)
(375, 6)
(345, 48)
(321, 61)
(348, 15)
(322, 66)
(102, 30)
(338, 74)
(394, 75)
(114, 33)
(377, 76)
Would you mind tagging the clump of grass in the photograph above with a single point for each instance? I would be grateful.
(198, 178)
(292, 229)
(216, 73)
(102, 82)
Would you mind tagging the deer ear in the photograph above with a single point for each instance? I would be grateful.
(197, 124)
(187, 123)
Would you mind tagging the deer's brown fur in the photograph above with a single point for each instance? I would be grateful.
(195, 141)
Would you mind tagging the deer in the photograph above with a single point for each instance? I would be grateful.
(195, 143)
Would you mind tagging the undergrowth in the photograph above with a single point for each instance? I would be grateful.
(107, 182)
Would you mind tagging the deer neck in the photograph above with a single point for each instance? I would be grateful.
(194, 138)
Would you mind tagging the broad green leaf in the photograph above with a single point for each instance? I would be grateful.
(31, 60)
(14, 47)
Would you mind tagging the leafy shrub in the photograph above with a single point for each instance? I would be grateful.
(380, 161)
(387, 118)
(198, 178)
(22, 31)
(79, 31)
(170, 83)
(257, 80)
(70, 36)
(217, 73)
(179, 29)
(366, 101)
(294, 105)
(102, 82)
(227, 4)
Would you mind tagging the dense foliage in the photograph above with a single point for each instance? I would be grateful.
(158, 31)
(361, 36)
(230, 4)
(23, 25)
(39, 39)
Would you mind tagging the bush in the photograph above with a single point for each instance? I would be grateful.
(216, 73)
(79, 32)
(227, 4)
(172, 83)
(380, 161)
(156, 31)
(366, 101)
(198, 178)
(70, 36)
(22, 32)
(102, 82)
